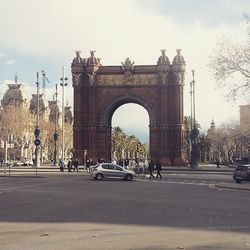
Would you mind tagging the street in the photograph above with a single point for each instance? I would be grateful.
(73, 203)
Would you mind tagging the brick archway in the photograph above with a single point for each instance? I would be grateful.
(108, 111)
(100, 90)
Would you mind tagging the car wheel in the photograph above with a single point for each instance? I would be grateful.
(129, 177)
(99, 177)
(238, 181)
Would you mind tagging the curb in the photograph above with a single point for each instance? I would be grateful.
(230, 187)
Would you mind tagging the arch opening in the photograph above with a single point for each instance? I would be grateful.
(130, 135)
(134, 119)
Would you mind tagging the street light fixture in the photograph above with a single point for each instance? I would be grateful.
(56, 133)
(63, 83)
(37, 141)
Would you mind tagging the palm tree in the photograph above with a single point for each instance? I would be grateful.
(118, 140)
(126, 146)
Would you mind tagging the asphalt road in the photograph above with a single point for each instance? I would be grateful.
(79, 207)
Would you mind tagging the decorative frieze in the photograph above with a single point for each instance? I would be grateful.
(128, 79)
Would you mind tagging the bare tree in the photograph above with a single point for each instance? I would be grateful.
(46, 137)
(68, 139)
(228, 142)
(230, 64)
(17, 122)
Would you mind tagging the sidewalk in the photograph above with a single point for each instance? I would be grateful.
(234, 186)
(101, 236)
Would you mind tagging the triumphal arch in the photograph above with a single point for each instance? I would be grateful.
(100, 90)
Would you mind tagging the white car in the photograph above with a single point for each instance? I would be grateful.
(111, 171)
(28, 163)
(17, 164)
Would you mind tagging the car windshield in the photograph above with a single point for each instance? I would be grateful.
(242, 168)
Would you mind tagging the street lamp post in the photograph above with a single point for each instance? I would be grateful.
(194, 130)
(56, 133)
(194, 124)
(63, 83)
(191, 105)
(37, 141)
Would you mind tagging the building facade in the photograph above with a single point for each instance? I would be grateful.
(100, 90)
(17, 140)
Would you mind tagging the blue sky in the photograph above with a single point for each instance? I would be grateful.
(44, 35)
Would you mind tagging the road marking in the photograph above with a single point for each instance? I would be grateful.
(173, 182)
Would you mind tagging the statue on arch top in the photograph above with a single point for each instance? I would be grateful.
(178, 59)
(163, 59)
(93, 63)
(92, 60)
(127, 65)
(78, 59)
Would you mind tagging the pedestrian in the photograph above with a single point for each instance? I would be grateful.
(34, 161)
(76, 164)
(137, 169)
(61, 165)
(151, 168)
(69, 165)
(158, 169)
(218, 163)
(88, 163)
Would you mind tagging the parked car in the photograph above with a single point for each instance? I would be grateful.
(111, 171)
(28, 163)
(17, 164)
(242, 173)
(22, 163)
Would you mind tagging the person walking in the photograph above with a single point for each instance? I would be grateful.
(61, 165)
(76, 164)
(158, 169)
(69, 165)
(151, 169)
(88, 163)
(217, 163)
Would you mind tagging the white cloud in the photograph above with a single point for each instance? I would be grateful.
(117, 29)
(10, 62)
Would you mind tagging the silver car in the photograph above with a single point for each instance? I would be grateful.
(111, 171)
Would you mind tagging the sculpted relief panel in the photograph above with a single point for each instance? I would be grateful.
(127, 78)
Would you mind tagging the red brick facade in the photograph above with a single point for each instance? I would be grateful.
(100, 90)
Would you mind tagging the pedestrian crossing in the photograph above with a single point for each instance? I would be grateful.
(183, 181)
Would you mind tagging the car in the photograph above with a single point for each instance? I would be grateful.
(242, 173)
(17, 164)
(111, 171)
(28, 163)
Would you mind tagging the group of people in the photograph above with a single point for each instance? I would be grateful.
(152, 167)
(72, 164)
